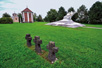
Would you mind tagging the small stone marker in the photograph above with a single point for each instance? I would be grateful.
(28, 38)
(52, 51)
(37, 42)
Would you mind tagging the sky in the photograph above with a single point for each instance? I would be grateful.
(41, 6)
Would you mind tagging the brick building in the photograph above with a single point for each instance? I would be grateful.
(27, 16)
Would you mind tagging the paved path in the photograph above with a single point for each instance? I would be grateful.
(93, 27)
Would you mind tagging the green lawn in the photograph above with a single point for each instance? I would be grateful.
(78, 47)
(95, 25)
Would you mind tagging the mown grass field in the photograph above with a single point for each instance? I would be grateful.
(95, 25)
(78, 47)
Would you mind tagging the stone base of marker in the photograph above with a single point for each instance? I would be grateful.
(52, 51)
(54, 61)
(28, 38)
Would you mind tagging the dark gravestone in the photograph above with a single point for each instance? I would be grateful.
(37, 42)
(52, 51)
(28, 38)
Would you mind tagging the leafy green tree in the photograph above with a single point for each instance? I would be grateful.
(6, 15)
(74, 17)
(20, 17)
(51, 15)
(82, 14)
(71, 9)
(39, 18)
(34, 17)
(46, 19)
(95, 13)
(61, 13)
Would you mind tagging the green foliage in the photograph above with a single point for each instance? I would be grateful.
(71, 9)
(51, 15)
(46, 19)
(6, 15)
(39, 18)
(82, 14)
(6, 20)
(74, 17)
(78, 47)
(34, 17)
(20, 17)
(94, 16)
(61, 13)
(95, 13)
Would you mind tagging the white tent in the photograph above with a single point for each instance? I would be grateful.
(67, 21)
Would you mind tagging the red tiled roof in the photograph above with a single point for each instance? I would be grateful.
(27, 10)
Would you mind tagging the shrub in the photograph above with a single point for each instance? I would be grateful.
(6, 20)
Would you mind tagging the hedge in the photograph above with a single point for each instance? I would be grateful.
(6, 20)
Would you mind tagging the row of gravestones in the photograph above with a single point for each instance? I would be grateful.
(50, 46)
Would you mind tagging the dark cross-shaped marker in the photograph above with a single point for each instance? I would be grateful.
(28, 38)
(52, 51)
(37, 42)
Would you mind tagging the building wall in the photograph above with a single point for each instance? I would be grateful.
(15, 19)
(30, 17)
(27, 17)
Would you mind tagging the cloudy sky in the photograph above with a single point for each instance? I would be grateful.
(41, 6)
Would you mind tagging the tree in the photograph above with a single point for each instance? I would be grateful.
(71, 9)
(51, 15)
(95, 13)
(20, 17)
(6, 15)
(46, 19)
(34, 16)
(74, 17)
(39, 18)
(61, 13)
(82, 14)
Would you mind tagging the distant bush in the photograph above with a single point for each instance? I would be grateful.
(6, 20)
